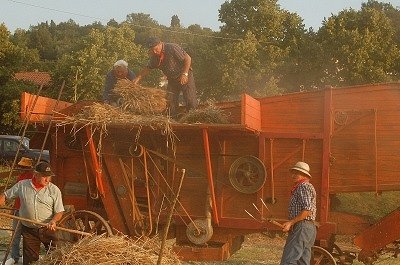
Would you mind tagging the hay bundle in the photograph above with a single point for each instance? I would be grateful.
(108, 251)
(99, 113)
(140, 100)
(206, 114)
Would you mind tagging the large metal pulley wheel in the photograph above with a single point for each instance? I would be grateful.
(199, 232)
(247, 174)
(320, 256)
(84, 221)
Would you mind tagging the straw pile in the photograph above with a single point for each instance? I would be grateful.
(140, 100)
(108, 251)
(99, 113)
(206, 114)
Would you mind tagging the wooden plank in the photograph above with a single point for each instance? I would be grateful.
(251, 112)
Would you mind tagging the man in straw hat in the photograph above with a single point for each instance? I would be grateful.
(176, 64)
(302, 213)
(119, 71)
(41, 201)
(26, 166)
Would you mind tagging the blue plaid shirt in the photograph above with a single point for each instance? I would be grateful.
(303, 198)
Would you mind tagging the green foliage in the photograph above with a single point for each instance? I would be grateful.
(359, 47)
(261, 50)
(175, 22)
(84, 70)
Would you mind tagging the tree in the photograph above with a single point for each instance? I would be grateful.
(359, 47)
(175, 22)
(84, 70)
(277, 37)
(13, 58)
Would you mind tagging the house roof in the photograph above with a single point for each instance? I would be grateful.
(38, 78)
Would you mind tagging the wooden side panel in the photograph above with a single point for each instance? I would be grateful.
(285, 153)
(293, 113)
(43, 107)
(365, 142)
(251, 112)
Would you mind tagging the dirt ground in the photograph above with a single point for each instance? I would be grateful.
(260, 249)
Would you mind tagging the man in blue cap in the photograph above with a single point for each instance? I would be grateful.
(175, 63)
(41, 201)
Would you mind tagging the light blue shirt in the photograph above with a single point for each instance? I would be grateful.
(38, 205)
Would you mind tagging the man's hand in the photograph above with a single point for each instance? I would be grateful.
(184, 79)
(287, 226)
(52, 225)
(136, 81)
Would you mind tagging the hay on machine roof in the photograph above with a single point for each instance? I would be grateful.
(140, 100)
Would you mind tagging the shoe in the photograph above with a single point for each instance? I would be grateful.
(10, 261)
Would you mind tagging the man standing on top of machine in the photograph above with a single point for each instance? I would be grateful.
(175, 63)
(302, 213)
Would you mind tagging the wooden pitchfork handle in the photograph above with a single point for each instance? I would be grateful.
(272, 221)
(43, 224)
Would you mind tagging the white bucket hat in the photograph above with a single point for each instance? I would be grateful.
(302, 167)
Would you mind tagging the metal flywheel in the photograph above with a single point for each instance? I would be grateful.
(247, 174)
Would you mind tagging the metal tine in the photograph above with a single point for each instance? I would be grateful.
(256, 208)
(252, 216)
(265, 205)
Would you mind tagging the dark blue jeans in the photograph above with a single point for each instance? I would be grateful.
(299, 243)
(189, 94)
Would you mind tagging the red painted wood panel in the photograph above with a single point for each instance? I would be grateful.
(251, 112)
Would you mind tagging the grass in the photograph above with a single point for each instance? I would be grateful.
(368, 203)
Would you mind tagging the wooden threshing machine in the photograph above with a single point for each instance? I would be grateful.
(236, 175)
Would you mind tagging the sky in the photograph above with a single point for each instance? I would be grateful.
(24, 13)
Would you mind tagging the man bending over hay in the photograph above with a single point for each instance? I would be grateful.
(120, 71)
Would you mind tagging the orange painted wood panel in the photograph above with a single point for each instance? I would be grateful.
(251, 112)
(43, 108)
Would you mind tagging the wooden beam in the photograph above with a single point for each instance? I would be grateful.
(210, 178)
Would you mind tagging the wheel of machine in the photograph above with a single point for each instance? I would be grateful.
(247, 174)
(198, 232)
(321, 256)
(85, 221)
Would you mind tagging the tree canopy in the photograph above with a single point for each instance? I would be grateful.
(261, 49)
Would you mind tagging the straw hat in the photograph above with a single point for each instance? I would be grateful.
(302, 167)
(25, 162)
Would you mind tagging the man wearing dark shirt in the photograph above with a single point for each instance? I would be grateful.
(120, 71)
(302, 213)
(175, 63)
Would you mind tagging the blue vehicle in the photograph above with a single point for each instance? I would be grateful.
(9, 147)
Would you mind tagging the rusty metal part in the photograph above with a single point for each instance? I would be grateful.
(199, 231)
(136, 150)
(321, 256)
(247, 174)
(86, 222)
(342, 257)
